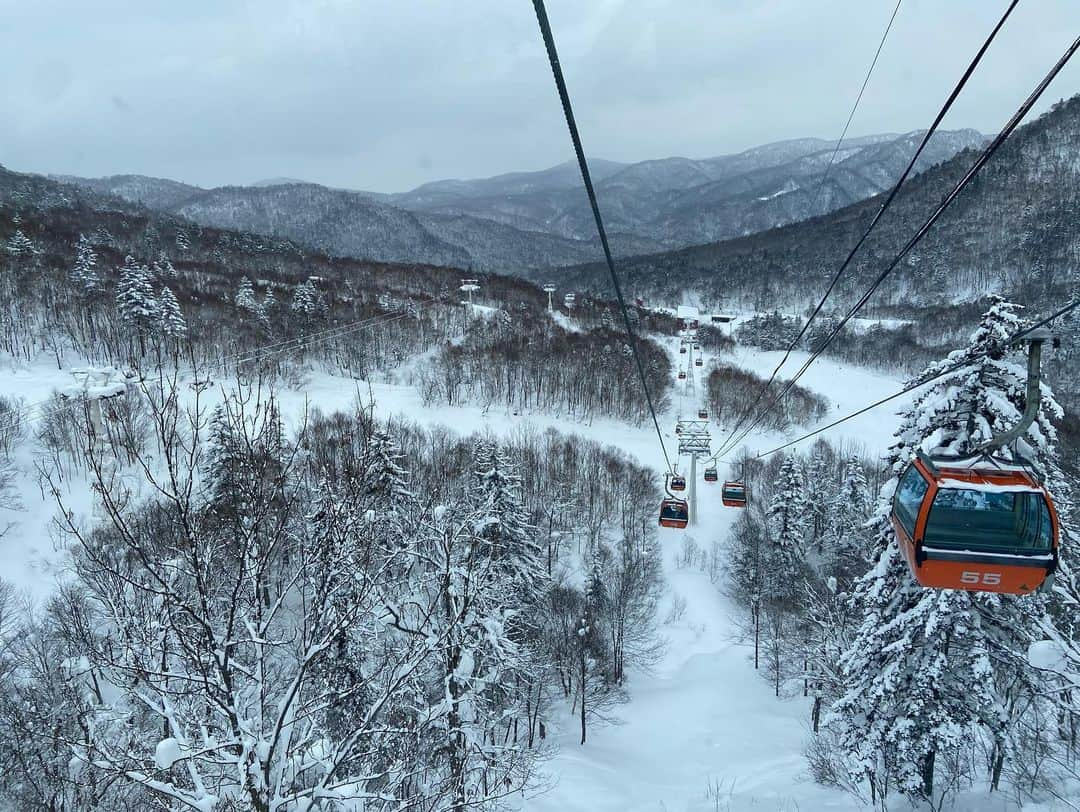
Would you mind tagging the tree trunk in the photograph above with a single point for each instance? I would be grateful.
(997, 762)
(583, 692)
(928, 775)
(757, 635)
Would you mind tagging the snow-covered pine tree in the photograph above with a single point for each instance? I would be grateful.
(505, 529)
(928, 669)
(165, 270)
(787, 529)
(84, 275)
(307, 301)
(382, 474)
(829, 619)
(245, 448)
(785, 577)
(267, 309)
(819, 487)
(19, 245)
(135, 299)
(172, 323)
(102, 236)
(846, 554)
(245, 296)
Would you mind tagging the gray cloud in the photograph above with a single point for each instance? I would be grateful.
(385, 95)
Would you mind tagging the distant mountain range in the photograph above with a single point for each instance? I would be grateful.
(531, 220)
(679, 201)
(1013, 230)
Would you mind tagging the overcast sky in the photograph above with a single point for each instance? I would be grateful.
(387, 94)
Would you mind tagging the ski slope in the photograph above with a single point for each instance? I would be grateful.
(702, 731)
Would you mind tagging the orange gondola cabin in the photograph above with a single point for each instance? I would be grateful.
(978, 523)
(674, 513)
(733, 494)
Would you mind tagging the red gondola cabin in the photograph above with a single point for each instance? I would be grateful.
(978, 524)
(674, 513)
(733, 494)
(678, 482)
(710, 474)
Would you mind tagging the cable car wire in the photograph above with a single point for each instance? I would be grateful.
(972, 171)
(873, 222)
(949, 370)
(854, 107)
(583, 165)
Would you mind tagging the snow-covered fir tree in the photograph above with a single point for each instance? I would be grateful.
(84, 275)
(505, 528)
(19, 245)
(102, 236)
(929, 671)
(267, 309)
(307, 301)
(787, 527)
(172, 323)
(819, 484)
(135, 299)
(786, 571)
(163, 268)
(245, 296)
(846, 553)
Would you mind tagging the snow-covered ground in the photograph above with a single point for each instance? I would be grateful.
(702, 731)
(857, 325)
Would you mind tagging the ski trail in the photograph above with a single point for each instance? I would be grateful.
(703, 730)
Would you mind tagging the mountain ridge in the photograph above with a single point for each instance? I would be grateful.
(525, 221)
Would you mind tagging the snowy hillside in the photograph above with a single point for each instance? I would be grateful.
(380, 504)
(680, 736)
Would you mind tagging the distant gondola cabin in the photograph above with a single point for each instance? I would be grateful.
(733, 494)
(674, 513)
